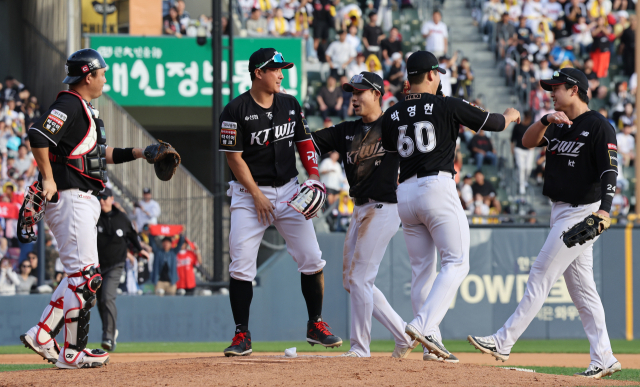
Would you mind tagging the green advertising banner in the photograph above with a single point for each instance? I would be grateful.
(168, 71)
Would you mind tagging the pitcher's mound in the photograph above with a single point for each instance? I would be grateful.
(304, 370)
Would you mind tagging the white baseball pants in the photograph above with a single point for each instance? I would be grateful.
(372, 227)
(433, 218)
(576, 263)
(246, 231)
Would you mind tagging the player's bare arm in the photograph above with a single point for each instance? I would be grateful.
(533, 136)
(240, 169)
(49, 187)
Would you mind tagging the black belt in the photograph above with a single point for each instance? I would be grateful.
(361, 201)
(272, 183)
(429, 173)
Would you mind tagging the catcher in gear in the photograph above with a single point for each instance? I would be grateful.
(580, 180)
(69, 145)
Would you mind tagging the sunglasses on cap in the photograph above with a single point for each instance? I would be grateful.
(570, 79)
(358, 78)
(277, 58)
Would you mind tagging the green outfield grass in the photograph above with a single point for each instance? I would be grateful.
(23, 367)
(522, 346)
(625, 374)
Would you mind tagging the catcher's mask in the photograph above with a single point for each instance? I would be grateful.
(31, 212)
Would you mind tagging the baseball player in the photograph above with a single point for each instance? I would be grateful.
(69, 145)
(372, 173)
(423, 130)
(258, 131)
(580, 180)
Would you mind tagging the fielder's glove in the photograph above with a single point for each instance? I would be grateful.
(592, 226)
(309, 199)
(164, 158)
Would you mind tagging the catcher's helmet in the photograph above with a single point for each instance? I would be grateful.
(81, 63)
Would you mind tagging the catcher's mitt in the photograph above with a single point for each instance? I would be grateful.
(592, 226)
(309, 199)
(164, 158)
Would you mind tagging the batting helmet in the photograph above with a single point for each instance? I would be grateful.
(81, 63)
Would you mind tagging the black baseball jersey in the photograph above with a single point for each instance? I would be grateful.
(577, 157)
(372, 171)
(424, 127)
(64, 129)
(265, 137)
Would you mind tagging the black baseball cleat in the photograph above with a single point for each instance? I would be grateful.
(318, 333)
(240, 346)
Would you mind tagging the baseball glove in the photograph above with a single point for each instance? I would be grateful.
(164, 158)
(309, 199)
(592, 226)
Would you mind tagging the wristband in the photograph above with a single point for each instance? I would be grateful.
(122, 155)
(544, 120)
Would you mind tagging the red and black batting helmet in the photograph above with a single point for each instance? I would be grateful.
(81, 63)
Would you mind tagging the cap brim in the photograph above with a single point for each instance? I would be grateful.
(547, 84)
(281, 65)
(441, 70)
(71, 80)
(350, 87)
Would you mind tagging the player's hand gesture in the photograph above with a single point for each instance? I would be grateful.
(264, 208)
(559, 118)
(512, 115)
(49, 188)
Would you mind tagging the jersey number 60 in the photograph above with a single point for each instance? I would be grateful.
(406, 145)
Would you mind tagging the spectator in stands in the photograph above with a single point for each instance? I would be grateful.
(146, 211)
(171, 24)
(619, 99)
(524, 32)
(8, 278)
(343, 212)
(481, 186)
(626, 146)
(183, 14)
(466, 192)
(599, 99)
(32, 258)
(464, 85)
(523, 156)
(374, 65)
(353, 39)
(11, 88)
(449, 65)
(347, 107)
(332, 176)
(357, 66)
(188, 258)
(532, 217)
(546, 109)
(165, 270)
(561, 57)
(390, 46)
(601, 48)
(627, 118)
(482, 150)
(436, 35)
(553, 10)
(581, 35)
(278, 25)
(257, 25)
(527, 79)
(26, 281)
(23, 163)
(372, 35)
(330, 99)
(594, 82)
(339, 54)
(628, 47)
(492, 12)
(540, 165)
(12, 118)
(538, 50)
(396, 74)
(572, 12)
(50, 256)
(620, 205)
(560, 33)
(605, 114)
(322, 22)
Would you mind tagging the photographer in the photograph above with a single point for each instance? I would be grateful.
(115, 233)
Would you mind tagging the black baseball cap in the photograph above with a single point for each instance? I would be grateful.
(267, 58)
(568, 75)
(422, 61)
(146, 190)
(106, 193)
(364, 81)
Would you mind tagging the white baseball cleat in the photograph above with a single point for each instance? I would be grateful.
(350, 354)
(403, 352)
(48, 354)
(487, 345)
(93, 358)
(429, 342)
(431, 357)
(594, 372)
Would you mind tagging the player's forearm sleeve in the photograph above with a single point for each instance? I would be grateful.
(122, 155)
(495, 123)
(308, 156)
(607, 190)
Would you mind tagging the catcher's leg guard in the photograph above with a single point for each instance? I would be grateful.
(79, 298)
(41, 338)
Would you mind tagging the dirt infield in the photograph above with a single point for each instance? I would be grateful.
(305, 370)
(516, 359)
